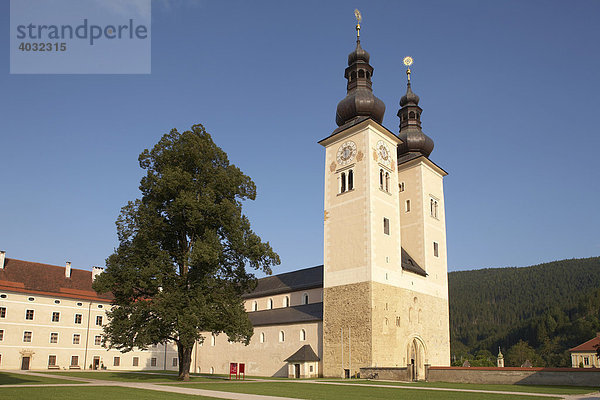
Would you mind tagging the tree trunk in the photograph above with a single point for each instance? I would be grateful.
(185, 360)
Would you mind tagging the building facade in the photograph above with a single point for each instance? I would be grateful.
(584, 355)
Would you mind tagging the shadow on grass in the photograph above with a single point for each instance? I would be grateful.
(15, 379)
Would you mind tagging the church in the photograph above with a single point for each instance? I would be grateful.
(380, 299)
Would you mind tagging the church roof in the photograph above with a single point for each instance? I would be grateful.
(287, 315)
(305, 353)
(410, 265)
(588, 346)
(303, 279)
(44, 279)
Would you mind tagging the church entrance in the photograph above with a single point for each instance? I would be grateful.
(25, 362)
(416, 355)
(96, 363)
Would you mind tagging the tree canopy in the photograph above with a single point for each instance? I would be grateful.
(185, 249)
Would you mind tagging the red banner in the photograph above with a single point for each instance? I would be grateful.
(233, 370)
(242, 368)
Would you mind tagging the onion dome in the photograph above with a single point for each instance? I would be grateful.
(360, 100)
(414, 141)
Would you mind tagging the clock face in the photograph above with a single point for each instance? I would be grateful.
(346, 153)
(383, 153)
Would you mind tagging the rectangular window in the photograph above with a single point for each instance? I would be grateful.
(74, 361)
(27, 336)
(116, 361)
(1, 335)
(401, 186)
(407, 206)
(586, 361)
(153, 362)
(51, 361)
(55, 316)
(99, 320)
(174, 361)
(433, 208)
(54, 337)
(2, 312)
(29, 314)
(386, 226)
(77, 318)
(76, 338)
(97, 340)
(136, 361)
(436, 251)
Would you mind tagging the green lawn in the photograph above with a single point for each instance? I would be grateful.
(90, 393)
(315, 391)
(6, 378)
(506, 388)
(130, 376)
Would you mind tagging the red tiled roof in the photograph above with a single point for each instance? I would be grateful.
(36, 278)
(590, 345)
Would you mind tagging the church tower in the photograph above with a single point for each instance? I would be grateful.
(384, 303)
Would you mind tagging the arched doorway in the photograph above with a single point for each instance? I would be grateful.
(416, 359)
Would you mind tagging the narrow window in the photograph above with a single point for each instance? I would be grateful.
(76, 338)
(1, 335)
(136, 361)
(381, 179)
(153, 362)
(387, 182)
(212, 370)
(74, 361)
(2, 312)
(343, 183)
(77, 318)
(281, 336)
(97, 340)
(174, 361)
(51, 361)
(305, 298)
(116, 361)
(407, 207)
(286, 301)
(99, 320)
(401, 185)
(435, 249)
(29, 314)
(55, 316)
(350, 180)
(27, 336)
(262, 337)
(386, 226)
(302, 335)
(255, 306)
(213, 339)
(54, 337)
(270, 304)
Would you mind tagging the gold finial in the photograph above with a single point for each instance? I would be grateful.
(358, 20)
(408, 61)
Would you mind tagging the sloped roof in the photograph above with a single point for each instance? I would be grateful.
(301, 279)
(36, 278)
(410, 265)
(590, 345)
(305, 353)
(287, 315)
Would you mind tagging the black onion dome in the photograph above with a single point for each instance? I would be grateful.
(413, 139)
(409, 97)
(360, 100)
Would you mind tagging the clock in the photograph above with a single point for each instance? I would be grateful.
(383, 153)
(346, 153)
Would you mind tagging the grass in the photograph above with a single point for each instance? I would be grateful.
(316, 391)
(470, 386)
(90, 393)
(6, 378)
(130, 376)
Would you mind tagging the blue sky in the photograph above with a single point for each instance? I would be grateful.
(510, 94)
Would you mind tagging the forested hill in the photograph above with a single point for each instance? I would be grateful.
(551, 306)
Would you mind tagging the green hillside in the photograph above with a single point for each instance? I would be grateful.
(551, 307)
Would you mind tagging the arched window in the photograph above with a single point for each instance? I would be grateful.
(343, 183)
(213, 339)
(381, 179)
(281, 336)
(387, 182)
(302, 335)
(411, 114)
(212, 370)
(305, 298)
(361, 73)
(350, 180)
(352, 76)
(254, 306)
(270, 304)
(286, 301)
(262, 337)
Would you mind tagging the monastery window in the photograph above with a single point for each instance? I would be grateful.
(3, 296)
(302, 335)
(411, 114)
(386, 226)
(346, 182)
(100, 306)
(262, 337)
(51, 361)
(74, 361)
(361, 73)
(116, 361)
(436, 251)
(401, 186)
(97, 340)
(56, 301)
(281, 336)
(153, 362)
(55, 316)
(174, 361)
(54, 337)
(2, 312)
(270, 304)
(407, 206)
(586, 361)
(254, 306)
(212, 370)
(76, 338)
(99, 320)
(1, 335)
(78, 318)
(433, 208)
(381, 179)
(213, 340)
(387, 182)
(79, 304)
(136, 361)
(305, 298)
(27, 336)
(31, 299)
(397, 321)
(343, 183)
(29, 314)
(286, 301)
(350, 180)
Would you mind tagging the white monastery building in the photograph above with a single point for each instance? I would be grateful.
(380, 299)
